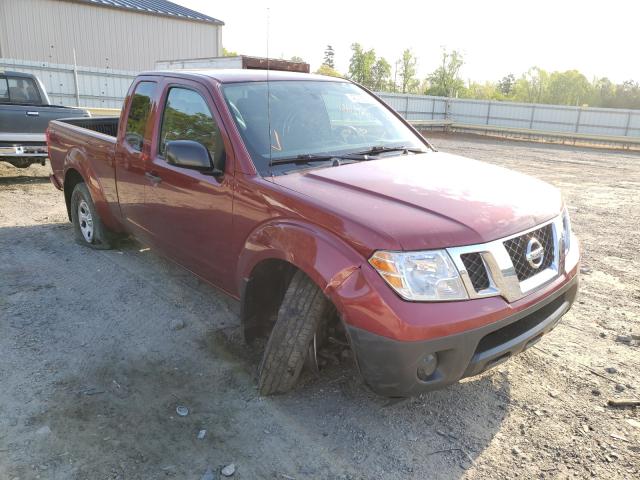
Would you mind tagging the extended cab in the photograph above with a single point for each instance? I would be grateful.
(25, 113)
(321, 210)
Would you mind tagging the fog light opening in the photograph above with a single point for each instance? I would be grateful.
(427, 366)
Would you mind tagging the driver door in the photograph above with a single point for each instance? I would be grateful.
(189, 212)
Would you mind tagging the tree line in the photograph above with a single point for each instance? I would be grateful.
(534, 86)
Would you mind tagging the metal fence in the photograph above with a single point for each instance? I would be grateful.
(96, 87)
(77, 86)
(532, 116)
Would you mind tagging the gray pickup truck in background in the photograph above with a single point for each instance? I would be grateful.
(25, 112)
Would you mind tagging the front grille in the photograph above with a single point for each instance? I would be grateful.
(517, 249)
(476, 270)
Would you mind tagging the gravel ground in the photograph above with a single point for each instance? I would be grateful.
(98, 348)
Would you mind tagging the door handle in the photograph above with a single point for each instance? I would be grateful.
(155, 179)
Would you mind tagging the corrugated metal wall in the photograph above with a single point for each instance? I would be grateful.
(534, 116)
(96, 87)
(49, 30)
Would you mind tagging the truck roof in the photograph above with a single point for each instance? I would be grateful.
(11, 73)
(243, 75)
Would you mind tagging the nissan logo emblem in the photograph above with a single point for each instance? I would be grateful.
(534, 253)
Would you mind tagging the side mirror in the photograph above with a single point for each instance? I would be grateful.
(190, 154)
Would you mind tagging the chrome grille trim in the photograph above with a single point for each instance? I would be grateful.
(477, 270)
(516, 247)
(503, 279)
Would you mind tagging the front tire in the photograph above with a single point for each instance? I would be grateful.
(301, 313)
(89, 229)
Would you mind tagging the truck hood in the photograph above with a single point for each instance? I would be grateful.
(424, 201)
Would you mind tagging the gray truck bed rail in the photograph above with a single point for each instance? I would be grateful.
(104, 125)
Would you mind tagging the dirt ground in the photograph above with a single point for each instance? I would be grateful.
(92, 365)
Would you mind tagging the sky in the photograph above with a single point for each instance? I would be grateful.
(496, 37)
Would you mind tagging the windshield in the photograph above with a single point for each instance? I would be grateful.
(312, 118)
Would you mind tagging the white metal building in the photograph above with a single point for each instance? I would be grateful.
(117, 34)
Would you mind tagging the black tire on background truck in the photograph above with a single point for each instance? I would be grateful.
(301, 313)
(89, 229)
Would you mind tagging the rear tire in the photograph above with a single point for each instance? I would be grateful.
(89, 229)
(301, 313)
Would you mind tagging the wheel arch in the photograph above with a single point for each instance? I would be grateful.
(78, 168)
(273, 253)
(72, 177)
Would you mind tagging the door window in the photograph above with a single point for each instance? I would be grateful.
(187, 116)
(139, 114)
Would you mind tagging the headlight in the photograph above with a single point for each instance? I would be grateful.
(420, 276)
(566, 230)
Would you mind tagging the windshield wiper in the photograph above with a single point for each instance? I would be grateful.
(311, 157)
(354, 156)
(382, 149)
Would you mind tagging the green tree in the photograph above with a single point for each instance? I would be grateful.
(297, 59)
(228, 53)
(361, 65)
(531, 87)
(328, 57)
(507, 84)
(445, 80)
(627, 95)
(381, 75)
(325, 69)
(408, 81)
(568, 88)
(482, 91)
(603, 93)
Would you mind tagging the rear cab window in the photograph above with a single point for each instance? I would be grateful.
(4, 90)
(187, 116)
(139, 113)
(19, 90)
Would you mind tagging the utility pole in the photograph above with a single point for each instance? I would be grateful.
(395, 76)
(75, 78)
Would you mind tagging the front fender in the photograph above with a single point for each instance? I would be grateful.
(321, 255)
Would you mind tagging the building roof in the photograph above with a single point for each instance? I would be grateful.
(156, 7)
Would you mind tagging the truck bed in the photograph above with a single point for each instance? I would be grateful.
(85, 145)
(105, 125)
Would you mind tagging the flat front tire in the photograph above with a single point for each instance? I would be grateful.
(89, 229)
(302, 310)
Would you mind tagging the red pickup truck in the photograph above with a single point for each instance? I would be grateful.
(318, 207)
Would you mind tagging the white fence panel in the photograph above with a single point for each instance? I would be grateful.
(615, 122)
(468, 111)
(634, 124)
(416, 107)
(534, 116)
(107, 88)
(505, 114)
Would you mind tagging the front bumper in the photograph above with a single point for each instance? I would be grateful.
(390, 366)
